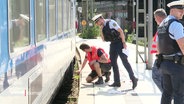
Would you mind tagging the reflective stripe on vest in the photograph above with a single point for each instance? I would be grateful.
(154, 44)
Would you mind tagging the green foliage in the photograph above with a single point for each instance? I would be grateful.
(76, 67)
(132, 39)
(90, 33)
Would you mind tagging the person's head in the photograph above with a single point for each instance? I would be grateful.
(159, 15)
(99, 20)
(176, 8)
(85, 47)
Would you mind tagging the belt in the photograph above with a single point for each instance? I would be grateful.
(116, 40)
(176, 58)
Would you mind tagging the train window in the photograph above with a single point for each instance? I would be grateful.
(40, 20)
(69, 13)
(65, 18)
(19, 35)
(59, 16)
(52, 18)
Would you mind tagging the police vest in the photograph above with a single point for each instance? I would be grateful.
(166, 45)
(94, 56)
(110, 34)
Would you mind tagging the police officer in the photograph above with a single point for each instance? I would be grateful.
(171, 51)
(159, 16)
(112, 32)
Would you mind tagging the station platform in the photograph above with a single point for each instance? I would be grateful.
(146, 91)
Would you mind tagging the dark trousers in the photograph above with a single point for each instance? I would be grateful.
(156, 76)
(115, 51)
(173, 82)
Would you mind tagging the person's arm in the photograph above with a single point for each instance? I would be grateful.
(176, 29)
(181, 44)
(83, 65)
(122, 36)
(103, 59)
(113, 24)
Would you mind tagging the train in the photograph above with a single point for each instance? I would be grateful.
(37, 47)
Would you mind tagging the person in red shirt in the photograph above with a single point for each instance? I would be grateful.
(98, 61)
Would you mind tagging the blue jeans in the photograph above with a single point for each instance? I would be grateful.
(115, 51)
(157, 76)
(173, 82)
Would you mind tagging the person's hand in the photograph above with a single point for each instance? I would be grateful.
(124, 45)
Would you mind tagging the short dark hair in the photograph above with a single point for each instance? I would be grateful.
(160, 12)
(84, 46)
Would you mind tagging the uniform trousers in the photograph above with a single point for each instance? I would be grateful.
(173, 82)
(115, 51)
(156, 76)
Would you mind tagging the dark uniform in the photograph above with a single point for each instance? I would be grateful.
(110, 30)
(170, 61)
(116, 46)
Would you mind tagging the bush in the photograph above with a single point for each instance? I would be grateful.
(132, 39)
(90, 33)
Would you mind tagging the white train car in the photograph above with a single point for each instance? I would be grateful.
(37, 45)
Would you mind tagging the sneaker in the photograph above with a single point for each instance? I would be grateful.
(107, 75)
(100, 81)
(134, 83)
(115, 85)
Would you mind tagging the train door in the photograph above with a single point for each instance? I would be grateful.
(14, 37)
(19, 56)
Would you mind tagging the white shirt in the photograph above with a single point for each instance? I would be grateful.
(112, 24)
(175, 28)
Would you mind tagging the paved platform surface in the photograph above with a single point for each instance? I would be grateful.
(145, 93)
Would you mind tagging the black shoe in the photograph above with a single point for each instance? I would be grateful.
(134, 83)
(115, 85)
(100, 81)
(107, 75)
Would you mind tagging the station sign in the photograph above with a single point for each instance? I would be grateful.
(84, 23)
